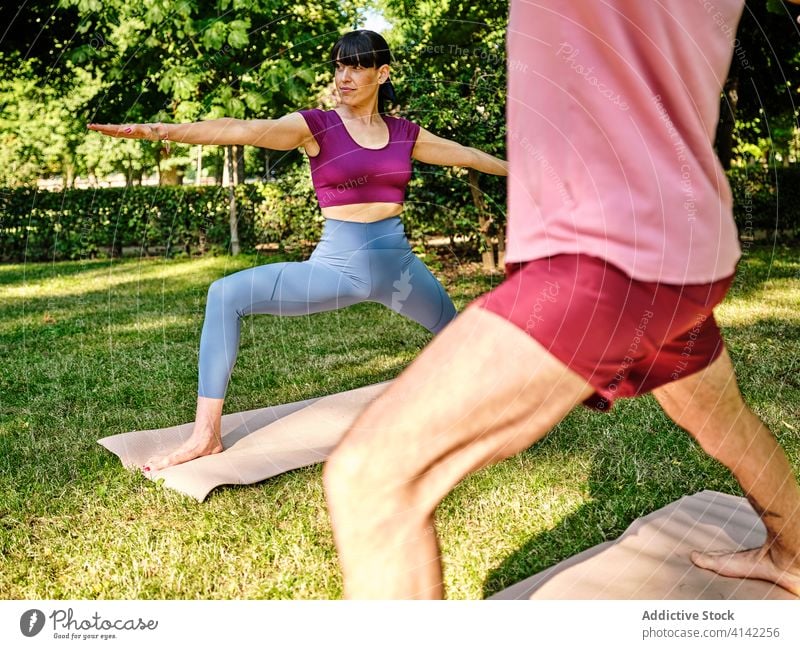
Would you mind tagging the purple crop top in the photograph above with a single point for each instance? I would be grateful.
(344, 173)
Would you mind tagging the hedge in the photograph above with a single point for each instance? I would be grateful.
(81, 223)
(85, 223)
(766, 202)
(75, 224)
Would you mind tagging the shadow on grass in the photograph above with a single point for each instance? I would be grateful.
(634, 472)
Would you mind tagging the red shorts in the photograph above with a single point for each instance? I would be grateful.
(624, 336)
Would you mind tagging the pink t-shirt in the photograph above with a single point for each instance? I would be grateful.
(612, 111)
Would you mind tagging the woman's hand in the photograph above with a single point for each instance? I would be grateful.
(284, 134)
(153, 132)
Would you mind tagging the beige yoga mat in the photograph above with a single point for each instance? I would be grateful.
(651, 558)
(259, 444)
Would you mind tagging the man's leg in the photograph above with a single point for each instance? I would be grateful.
(709, 406)
(481, 391)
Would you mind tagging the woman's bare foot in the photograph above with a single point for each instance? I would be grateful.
(749, 564)
(194, 447)
(205, 440)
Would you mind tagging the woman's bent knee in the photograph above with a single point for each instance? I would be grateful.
(223, 297)
(216, 292)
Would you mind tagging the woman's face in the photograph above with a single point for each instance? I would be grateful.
(358, 84)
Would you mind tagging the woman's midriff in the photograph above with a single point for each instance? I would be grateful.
(362, 212)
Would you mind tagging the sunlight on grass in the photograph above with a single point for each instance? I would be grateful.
(777, 299)
(495, 512)
(114, 274)
(148, 322)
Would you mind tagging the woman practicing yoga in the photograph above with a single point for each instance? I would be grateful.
(360, 165)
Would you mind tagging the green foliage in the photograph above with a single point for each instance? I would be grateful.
(763, 86)
(83, 223)
(41, 127)
(285, 212)
(77, 224)
(768, 142)
(450, 76)
(775, 6)
(766, 201)
(200, 58)
(160, 60)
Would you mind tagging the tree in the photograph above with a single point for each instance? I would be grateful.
(188, 60)
(40, 125)
(758, 114)
(451, 78)
(202, 59)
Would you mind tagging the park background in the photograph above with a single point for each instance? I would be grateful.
(108, 246)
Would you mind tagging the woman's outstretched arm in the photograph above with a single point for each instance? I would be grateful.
(436, 150)
(283, 134)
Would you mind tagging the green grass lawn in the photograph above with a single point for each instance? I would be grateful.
(93, 348)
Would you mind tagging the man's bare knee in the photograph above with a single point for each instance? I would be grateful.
(344, 472)
(365, 486)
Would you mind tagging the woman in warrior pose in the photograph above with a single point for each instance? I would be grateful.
(360, 165)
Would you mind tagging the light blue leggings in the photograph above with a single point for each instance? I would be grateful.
(353, 262)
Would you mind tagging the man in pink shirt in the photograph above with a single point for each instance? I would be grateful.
(621, 241)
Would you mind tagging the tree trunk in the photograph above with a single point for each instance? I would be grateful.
(484, 221)
(238, 152)
(199, 165)
(229, 159)
(501, 247)
(129, 172)
(220, 170)
(171, 175)
(727, 119)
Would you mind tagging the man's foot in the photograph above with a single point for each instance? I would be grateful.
(749, 564)
(198, 445)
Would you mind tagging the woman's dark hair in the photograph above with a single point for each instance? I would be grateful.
(367, 49)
